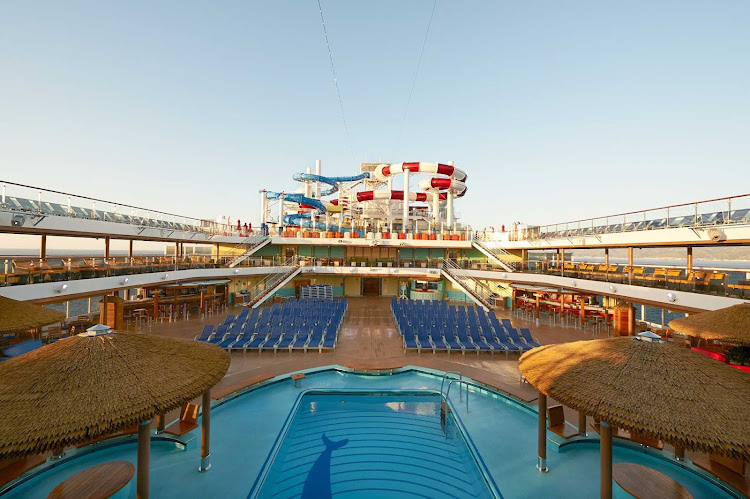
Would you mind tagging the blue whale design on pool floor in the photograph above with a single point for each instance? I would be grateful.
(318, 483)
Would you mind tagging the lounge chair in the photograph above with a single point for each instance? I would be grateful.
(206, 334)
(526, 337)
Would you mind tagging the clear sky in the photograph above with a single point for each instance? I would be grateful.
(556, 110)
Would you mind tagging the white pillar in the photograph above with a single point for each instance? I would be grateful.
(405, 218)
(436, 207)
(328, 220)
(263, 207)
(390, 204)
(317, 184)
(449, 207)
(281, 211)
(308, 184)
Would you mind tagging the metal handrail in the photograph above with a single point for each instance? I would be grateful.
(450, 266)
(445, 375)
(459, 381)
(257, 291)
(247, 246)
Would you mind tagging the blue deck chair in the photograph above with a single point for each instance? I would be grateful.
(424, 342)
(302, 338)
(259, 339)
(316, 339)
(410, 342)
(287, 340)
(452, 344)
(273, 338)
(229, 339)
(206, 334)
(221, 331)
(242, 340)
(468, 345)
(526, 336)
(329, 341)
(496, 345)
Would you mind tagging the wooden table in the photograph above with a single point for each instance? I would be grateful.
(642, 482)
(98, 482)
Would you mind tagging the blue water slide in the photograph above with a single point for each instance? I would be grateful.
(299, 199)
(332, 181)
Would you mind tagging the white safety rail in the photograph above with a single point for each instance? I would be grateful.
(493, 250)
(30, 200)
(476, 290)
(708, 213)
(271, 283)
(252, 245)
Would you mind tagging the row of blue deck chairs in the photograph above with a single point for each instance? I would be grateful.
(438, 326)
(297, 325)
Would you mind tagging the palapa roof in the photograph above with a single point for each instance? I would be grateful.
(729, 325)
(84, 387)
(20, 316)
(658, 389)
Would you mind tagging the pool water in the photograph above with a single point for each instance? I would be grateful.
(373, 445)
(245, 431)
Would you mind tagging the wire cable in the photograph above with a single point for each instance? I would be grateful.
(336, 80)
(416, 72)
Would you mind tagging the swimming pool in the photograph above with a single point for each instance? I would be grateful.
(372, 444)
(245, 431)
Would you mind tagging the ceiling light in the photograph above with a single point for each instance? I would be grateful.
(671, 297)
(124, 281)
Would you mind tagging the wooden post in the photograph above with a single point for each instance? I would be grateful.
(582, 423)
(690, 259)
(562, 262)
(43, 247)
(203, 301)
(583, 310)
(513, 299)
(160, 423)
(205, 432)
(631, 320)
(679, 453)
(605, 462)
(106, 247)
(144, 455)
(542, 447)
(130, 250)
(156, 304)
(606, 257)
(630, 265)
(103, 310)
(537, 306)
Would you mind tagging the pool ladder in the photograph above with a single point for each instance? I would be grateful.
(444, 396)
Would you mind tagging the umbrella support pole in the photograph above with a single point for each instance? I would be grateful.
(144, 456)
(606, 461)
(542, 461)
(205, 432)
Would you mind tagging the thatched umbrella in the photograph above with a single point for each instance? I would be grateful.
(100, 382)
(647, 386)
(21, 316)
(729, 325)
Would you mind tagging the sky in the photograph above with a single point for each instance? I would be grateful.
(556, 110)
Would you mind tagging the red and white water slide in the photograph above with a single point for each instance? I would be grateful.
(444, 188)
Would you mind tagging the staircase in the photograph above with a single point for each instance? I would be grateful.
(251, 246)
(478, 292)
(497, 254)
(272, 283)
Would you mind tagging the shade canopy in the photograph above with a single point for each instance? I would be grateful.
(20, 316)
(729, 325)
(94, 384)
(657, 389)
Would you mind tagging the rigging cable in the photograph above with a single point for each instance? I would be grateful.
(335, 80)
(416, 73)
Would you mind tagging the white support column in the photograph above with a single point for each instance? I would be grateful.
(405, 218)
(308, 184)
(281, 212)
(263, 207)
(317, 184)
(436, 207)
(328, 221)
(449, 207)
(389, 212)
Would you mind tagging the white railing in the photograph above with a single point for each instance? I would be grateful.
(36, 200)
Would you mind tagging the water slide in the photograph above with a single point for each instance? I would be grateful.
(303, 219)
(454, 181)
